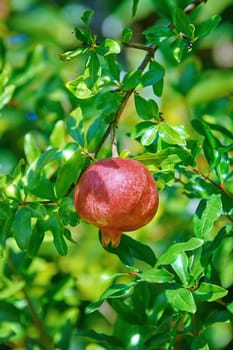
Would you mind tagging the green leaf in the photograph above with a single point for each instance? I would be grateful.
(158, 88)
(141, 301)
(147, 131)
(86, 17)
(127, 313)
(156, 275)
(173, 135)
(57, 228)
(209, 292)
(114, 291)
(182, 22)
(179, 49)
(69, 55)
(6, 95)
(58, 135)
(180, 266)
(156, 35)
(207, 213)
(131, 80)
(95, 133)
(35, 241)
(31, 149)
(154, 74)
(181, 299)
(108, 47)
(67, 212)
(146, 109)
(199, 343)
(135, 7)
(38, 210)
(126, 35)
(113, 66)
(43, 189)
(79, 88)
(92, 70)
(129, 249)
(36, 168)
(155, 160)
(106, 341)
(69, 173)
(6, 335)
(22, 227)
(206, 27)
(74, 124)
(82, 36)
(171, 255)
(211, 144)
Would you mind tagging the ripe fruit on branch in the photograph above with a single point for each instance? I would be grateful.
(116, 195)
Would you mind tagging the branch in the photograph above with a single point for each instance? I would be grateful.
(220, 187)
(195, 4)
(45, 341)
(150, 54)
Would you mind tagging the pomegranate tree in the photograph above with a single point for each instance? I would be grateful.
(116, 195)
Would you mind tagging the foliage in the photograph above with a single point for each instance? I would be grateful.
(168, 285)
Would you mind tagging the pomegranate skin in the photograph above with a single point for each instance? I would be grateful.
(116, 195)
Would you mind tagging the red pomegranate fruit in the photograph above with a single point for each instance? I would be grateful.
(116, 195)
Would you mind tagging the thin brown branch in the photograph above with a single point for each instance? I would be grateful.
(45, 341)
(141, 67)
(220, 187)
(137, 46)
(193, 5)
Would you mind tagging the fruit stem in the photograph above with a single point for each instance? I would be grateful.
(115, 153)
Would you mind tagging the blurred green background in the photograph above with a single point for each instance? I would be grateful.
(33, 33)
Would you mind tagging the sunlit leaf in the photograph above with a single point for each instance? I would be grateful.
(22, 227)
(31, 149)
(127, 35)
(182, 22)
(209, 292)
(170, 256)
(58, 136)
(6, 95)
(74, 124)
(156, 35)
(207, 213)
(114, 291)
(204, 28)
(36, 168)
(156, 275)
(181, 299)
(131, 80)
(108, 47)
(154, 74)
(174, 135)
(180, 266)
(146, 109)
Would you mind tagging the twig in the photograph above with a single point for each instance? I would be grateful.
(151, 51)
(193, 5)
(220, 187)
(45, 341)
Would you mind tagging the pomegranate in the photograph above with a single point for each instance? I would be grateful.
(116, 195)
